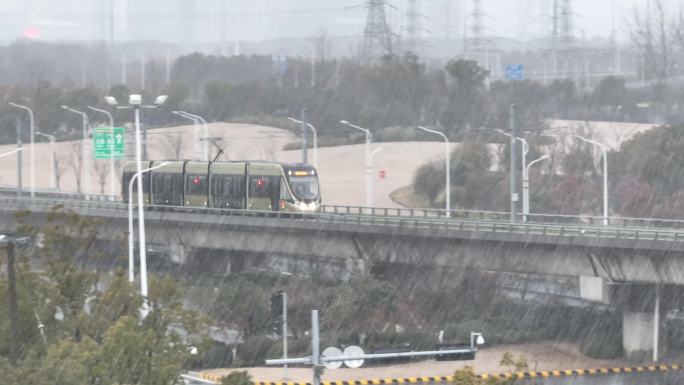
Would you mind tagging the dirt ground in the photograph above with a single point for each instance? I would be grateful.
(540, 356)
(341, 169)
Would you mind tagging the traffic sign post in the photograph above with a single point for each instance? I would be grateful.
(515, 72)
(354, 356)
(108, 142)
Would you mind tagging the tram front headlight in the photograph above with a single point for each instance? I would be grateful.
(307, 206)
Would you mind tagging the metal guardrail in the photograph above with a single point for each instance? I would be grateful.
(472, 215)
(389, 221)
(502, 216)
(7, 191)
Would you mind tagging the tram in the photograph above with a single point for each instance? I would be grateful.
(257, 185)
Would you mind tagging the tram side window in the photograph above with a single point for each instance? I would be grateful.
(166, 188)
(124, 185)
(228, 191)
(264, 187)
(146, 183)
(127, 180)
(284, 193)
(196, 184)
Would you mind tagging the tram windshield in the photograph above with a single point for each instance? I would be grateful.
(304, 187)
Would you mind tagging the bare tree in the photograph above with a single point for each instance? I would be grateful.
(651, 33)
(172, 146)
(75, 162)
(61, 163)
(678, 27)
(102, 171)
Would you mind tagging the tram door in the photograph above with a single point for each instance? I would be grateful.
(263, 183)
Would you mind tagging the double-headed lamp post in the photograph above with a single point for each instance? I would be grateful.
(85, 169)
(131, 258)
(135, 102)
(369, 171)
(52, 138)
(112, 169)
(315, 139)
(32, 158)
(447, 188)
(604, 150)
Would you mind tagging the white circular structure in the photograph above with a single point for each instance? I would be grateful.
(332, 352)
(353, 351)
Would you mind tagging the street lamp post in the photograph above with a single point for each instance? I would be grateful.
(85, 170)
(604, 150)
(447, 161)
(131, 259)
(373, 171)
(195, 122)
(205, 147)
(10, 153)
(135, 102)
(525, 176)
(369, 176)
(526, 187)
(33, 150)
(514, 130)
(315, 138)
(112, 170)
(54, 158)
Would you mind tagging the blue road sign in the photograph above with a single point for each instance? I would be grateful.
(515, 72)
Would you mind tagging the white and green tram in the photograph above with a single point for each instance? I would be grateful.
(258, 185)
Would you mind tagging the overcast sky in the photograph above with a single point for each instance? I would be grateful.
(265, 19)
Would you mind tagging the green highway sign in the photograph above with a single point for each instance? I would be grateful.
(108, 144)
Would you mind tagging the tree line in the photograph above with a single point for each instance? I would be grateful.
(399, 91)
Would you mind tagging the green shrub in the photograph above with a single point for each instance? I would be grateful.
(212, 355)
(255, 350)
(675, 335)
(237, 378)
(603, 338)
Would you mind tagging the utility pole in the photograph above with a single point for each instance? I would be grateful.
(377, 39)
(413, 27)
(284, 294)
(562, 34)
(514, 194)
(9, 243)
(13, 307)
(476, 39)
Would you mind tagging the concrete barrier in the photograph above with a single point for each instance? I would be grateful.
(484, 376)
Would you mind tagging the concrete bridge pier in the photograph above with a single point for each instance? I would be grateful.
(643, 307)
(643, 316)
